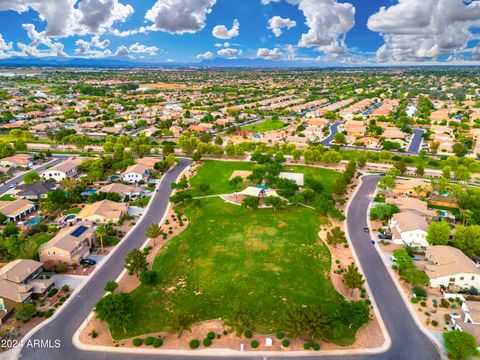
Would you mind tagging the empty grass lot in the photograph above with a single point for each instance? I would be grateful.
(265, 126)
(230, 257)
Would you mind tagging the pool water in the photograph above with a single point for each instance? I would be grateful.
(34, 221)
(70, 217)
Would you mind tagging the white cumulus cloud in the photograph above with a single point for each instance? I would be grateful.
(179, 16)
(221, 31)
(424, 30)
(229, 52)
(205, 55)
(277, 23)
(273, 54)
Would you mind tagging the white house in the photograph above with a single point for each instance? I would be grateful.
(450, 268)
(409, 228)
(136, 173)
(67, 169)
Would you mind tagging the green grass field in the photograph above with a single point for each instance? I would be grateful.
(217, 174)
(265, 126)
(231, 257)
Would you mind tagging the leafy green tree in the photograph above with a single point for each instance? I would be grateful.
(331, 157)
(110, 286)
(115, 310)
(353, 278)
(250, 202)
(25, 312)
(420, 170)
(31, 177)
(275, 202)
(135, 262)
(460, 345)
(180, 321)
(236, 182)
(462, 173)
(149, 277)
(153, 232)
(467, 239)
(438, 233)
(387, 182)
(340, 138)
(447, 172)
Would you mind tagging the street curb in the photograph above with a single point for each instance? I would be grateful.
(16, 350)
(388, 340)
(407, 302)
(237, 353)
(76, 336)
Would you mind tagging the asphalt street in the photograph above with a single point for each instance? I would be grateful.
(18, 178)
(333, 131)
(416, 143)
(408, 341)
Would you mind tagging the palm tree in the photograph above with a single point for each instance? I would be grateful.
(101, 232)
(418, 189)
(353, 278)
(153, 232)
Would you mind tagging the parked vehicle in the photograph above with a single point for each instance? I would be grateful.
(88, 262)
(385, 236)
(366, 229)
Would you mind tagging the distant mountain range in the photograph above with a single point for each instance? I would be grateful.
(207, 63)
(124, 62)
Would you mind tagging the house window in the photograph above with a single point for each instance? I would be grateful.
(452, 279)
(461, 278)
(473, 277)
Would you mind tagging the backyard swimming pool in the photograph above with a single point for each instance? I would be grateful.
(34, 221)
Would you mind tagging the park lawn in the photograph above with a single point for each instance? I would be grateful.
(217, 174)
(265, 126)
(326, 177)
(230, 257)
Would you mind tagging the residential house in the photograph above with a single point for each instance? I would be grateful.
(18, 160)
(67, 169)
(355, 129)
(35, 191)
(122, 189)
(412, 187)
(409, 228)
(136, 173)
(103, 212)
(16, 210)
(69, 246)
(147, 161)
(21, 281)
(449, 267)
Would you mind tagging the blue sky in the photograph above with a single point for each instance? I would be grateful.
(330, 31)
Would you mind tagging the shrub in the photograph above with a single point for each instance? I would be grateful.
(444, 303)
(137, 342)
(110, 286)
(157, 343)
(48, 313)
(65, 288)
(423, 303)
(211, 335)
(280, 335)
(52, 292)
(316, 347)
(61, 268)
(368, 302)
(414, 300)
(248, 334)
(149, 341)
(207, 342)
(419, 291)
(93, 334)
(434, 323)
(394, 266)
(254, 344)
(285, 343)
(194, 344)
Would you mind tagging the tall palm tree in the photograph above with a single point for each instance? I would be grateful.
(101, 232)
(153, 232)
